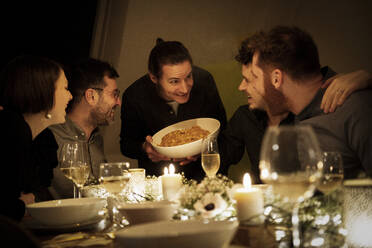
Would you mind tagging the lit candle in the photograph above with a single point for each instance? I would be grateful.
(170, 183)
(249, 200)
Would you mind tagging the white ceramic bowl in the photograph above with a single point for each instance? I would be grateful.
(180, 234)
(189, 149)
(66, 211)
(143, 212)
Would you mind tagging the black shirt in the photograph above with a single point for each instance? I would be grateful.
(245, 129)
(144, 112)
(26, 165)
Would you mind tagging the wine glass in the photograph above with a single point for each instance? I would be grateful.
(291, 163)
(74, 163)
(210, 157)
(333, 173)
(114, 177)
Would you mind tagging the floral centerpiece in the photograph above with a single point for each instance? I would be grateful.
(320, 217)
(212, 198)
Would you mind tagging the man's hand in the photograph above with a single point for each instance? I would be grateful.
(27, 198)
(153, 155)
(187, 160)
(341, 86)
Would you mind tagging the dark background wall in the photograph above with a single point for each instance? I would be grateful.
(61, 30)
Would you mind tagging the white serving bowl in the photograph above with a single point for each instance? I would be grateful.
(189, 149)
(66, 211)
(180, 234)
(143, 212)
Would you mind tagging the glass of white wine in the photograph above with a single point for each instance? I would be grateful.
(210, 157)
(114, 177)
(74, 164)
(333, 172)
(291, 163)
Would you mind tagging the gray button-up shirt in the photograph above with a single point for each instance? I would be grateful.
(68, 132)
(347, 130)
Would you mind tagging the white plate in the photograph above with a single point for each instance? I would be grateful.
(33, 224)
(180, 234)
(66, 211)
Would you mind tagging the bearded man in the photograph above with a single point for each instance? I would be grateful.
(282, 74)
(96, 96)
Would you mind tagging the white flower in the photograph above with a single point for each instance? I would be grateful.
(210, 205)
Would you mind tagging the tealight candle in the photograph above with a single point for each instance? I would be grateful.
(249, 200)
(170, 183)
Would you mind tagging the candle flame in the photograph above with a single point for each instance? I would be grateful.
(171, 169)
(247, 181)
(165, 171)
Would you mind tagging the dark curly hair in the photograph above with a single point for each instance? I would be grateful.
(288, 48)
(87, 73)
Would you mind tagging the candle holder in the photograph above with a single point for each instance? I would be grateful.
(358, 212)
(171, 183)
(249, 202)
(153, 187)
(137, 181)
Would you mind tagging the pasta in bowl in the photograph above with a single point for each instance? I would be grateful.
(184, 139)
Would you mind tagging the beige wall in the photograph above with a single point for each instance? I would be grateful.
(212, 29)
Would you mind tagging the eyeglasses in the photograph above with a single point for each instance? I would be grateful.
(115, 93)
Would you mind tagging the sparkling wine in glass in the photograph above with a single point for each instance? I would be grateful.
(73, 163)
(65, 159)
(114, 176)
(210, 158)
(291, 163)
(333, 173)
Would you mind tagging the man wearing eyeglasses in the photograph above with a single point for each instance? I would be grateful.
(96, 96)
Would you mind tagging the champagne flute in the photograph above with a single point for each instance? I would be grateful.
(291, 163)
(210, 157)
(66, 160)
(333, 173)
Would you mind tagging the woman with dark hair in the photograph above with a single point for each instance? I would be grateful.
(34, 95)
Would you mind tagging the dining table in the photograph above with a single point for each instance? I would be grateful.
(352, 217)
(102, 233)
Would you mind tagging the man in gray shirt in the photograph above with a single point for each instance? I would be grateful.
(285, 72)
(96, 96)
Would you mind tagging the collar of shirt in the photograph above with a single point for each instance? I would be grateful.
(77, 132)
(313, 108)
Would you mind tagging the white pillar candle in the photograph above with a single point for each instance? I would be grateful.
(249, 200)
(171, 183)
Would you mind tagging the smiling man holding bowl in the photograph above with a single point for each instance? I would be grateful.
(174, 90)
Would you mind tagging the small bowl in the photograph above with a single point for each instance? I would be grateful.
(66, 211)
(180, 234)
(188, 149)
(142, 212)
